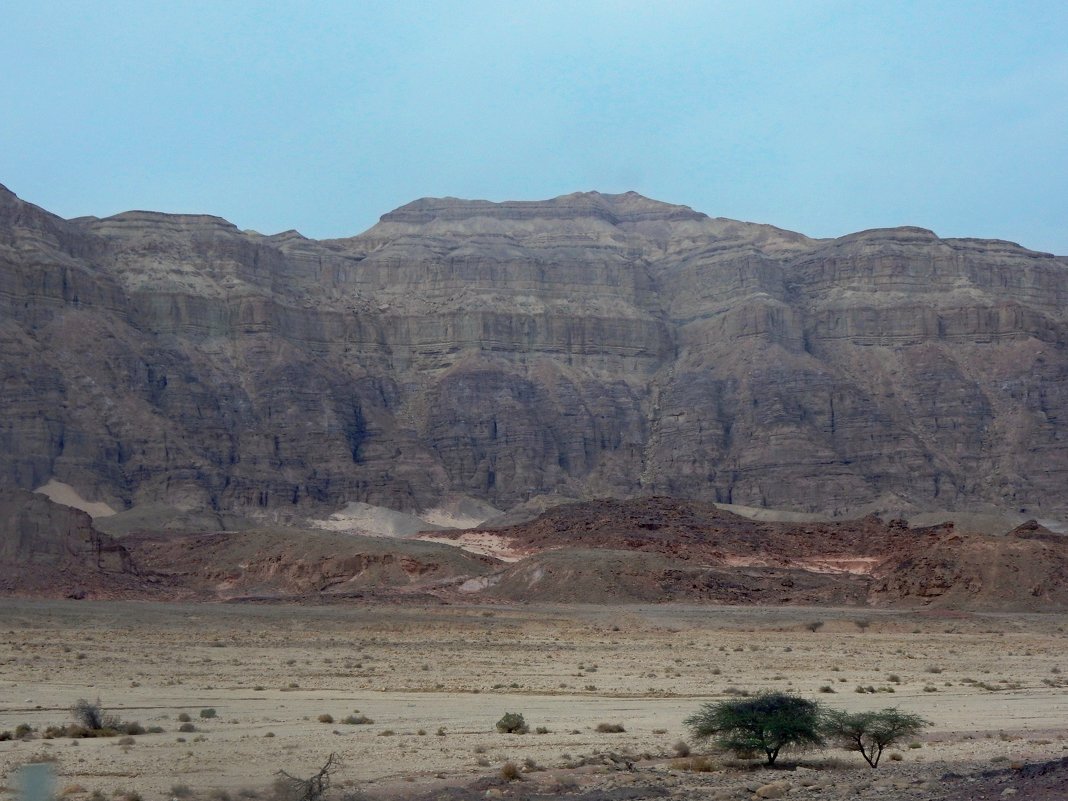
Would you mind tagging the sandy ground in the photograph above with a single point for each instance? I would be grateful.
(271, 671)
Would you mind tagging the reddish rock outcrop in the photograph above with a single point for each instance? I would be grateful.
(662, 549)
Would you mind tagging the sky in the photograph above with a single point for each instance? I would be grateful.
(818, 116)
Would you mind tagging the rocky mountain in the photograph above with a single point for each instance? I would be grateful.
(589, 345)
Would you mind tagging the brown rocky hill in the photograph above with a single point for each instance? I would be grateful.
(590, 345)
(51, 550)
(280, 563)
(661, 549)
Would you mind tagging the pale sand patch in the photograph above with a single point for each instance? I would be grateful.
(772, 515)
(462, 668)
(365, 518)
(857, 565)
(482, 543)
(58, 492)
(460, 512)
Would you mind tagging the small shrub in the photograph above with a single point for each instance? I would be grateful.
(326, 718)
(681, 748)
(826, 688)
(386, 733)
(814, 625)
(358, 720)
(183, 717)
(180, 791)
(541, 730)
(92, 716)
(610, 728)
(697, 764)
(512, 723)
(23, 731)
(207, 713)
(510, 772)
(187, 727)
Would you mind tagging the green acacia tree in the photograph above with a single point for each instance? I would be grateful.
(869, 733)
(768, 722)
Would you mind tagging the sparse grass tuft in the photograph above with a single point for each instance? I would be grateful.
(697, 764)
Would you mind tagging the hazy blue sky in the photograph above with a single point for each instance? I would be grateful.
(823, 117)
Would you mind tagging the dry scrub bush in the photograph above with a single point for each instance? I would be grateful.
(512, 723)
(510, 772)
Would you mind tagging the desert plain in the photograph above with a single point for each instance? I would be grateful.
(435, 679)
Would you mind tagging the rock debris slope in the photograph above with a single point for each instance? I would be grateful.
(589, 345)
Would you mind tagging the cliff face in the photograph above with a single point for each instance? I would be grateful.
(51, 550)
(587, 345)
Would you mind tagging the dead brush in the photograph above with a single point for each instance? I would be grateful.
(697, 764)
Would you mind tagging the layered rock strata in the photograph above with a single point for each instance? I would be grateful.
(589, 345)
